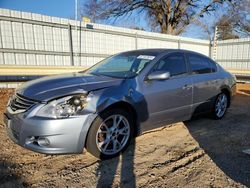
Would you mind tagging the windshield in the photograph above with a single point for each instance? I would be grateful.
(125, 65)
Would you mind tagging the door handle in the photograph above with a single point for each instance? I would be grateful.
(186, 86)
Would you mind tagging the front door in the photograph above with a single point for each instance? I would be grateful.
(168, 100)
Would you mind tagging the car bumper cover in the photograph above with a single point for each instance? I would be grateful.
(49, 136)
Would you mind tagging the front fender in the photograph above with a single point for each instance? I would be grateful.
(104, 98)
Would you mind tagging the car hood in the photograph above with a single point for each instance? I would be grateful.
(50, 87)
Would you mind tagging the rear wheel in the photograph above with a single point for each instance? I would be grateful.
(110, 134)
(220, 106)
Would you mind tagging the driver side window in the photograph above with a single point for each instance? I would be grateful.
(175, 64)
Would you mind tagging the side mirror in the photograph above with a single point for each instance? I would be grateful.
(159, 75)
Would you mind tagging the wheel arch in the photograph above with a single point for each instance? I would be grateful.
(128, 108)
(125, 106)
(227, 91)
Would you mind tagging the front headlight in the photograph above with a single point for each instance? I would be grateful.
(63, 107)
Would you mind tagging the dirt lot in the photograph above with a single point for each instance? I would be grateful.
(198, 153)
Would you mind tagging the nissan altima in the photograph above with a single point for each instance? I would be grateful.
(104, 107)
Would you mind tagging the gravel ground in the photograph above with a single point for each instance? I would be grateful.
(197, 153)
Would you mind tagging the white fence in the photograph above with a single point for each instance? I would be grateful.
(234, 54)
(34, 39)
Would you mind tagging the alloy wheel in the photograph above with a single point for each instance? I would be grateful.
(113, 134)
(221, 105)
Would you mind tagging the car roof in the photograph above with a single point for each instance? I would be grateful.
(158, 51)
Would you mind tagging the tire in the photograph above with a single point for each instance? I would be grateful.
(220, 106)
(107, 139)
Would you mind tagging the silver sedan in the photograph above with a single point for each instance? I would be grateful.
(102, 108)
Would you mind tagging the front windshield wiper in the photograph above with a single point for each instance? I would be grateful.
(105, 75)
(98, 74)
(95, 73)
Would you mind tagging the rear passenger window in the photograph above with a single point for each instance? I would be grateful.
(174, 64)
(199, 64)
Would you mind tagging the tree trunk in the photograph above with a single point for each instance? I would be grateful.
(164, 28)
(167, 29)
(171, 30)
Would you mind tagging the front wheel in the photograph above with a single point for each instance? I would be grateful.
(220, 106)
(110, 134)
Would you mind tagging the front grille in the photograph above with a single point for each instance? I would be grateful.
(21, 103)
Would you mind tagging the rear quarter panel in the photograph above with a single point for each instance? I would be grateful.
(227, 81)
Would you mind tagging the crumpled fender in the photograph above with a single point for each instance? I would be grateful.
(104, 98)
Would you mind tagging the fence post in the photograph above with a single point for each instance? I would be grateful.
(215, 43)
(70, 45)
(1, 42)
(80, 45)
(179, 44)
(210, 48)
(136, 41)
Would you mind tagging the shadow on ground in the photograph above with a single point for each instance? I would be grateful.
(107, 170)
(225, 139)
(8, 176)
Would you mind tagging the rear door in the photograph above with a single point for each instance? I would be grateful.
(204, 77)
(169, 100)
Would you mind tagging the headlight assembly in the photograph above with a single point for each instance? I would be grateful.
(63, 107)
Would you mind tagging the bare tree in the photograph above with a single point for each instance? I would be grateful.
(171, 16)
(239, 19)
(234, 23)
(225, 29)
